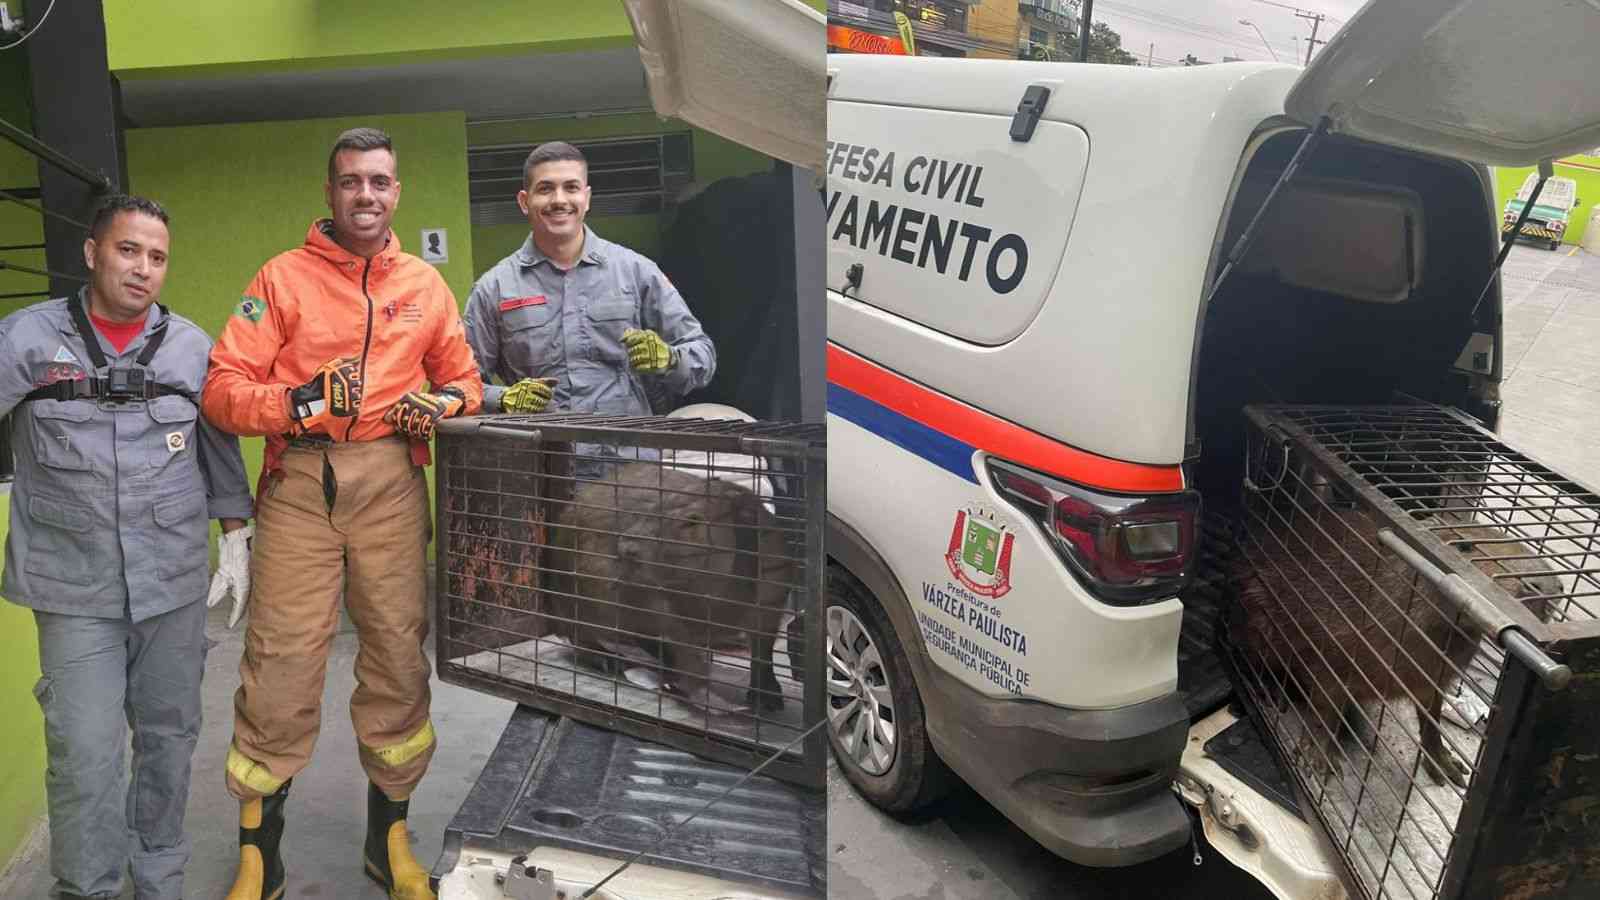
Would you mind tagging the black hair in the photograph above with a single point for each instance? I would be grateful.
(359, 139)
(553, 151)
(120, 203)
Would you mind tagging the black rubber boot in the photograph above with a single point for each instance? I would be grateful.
(260, 861)
(388, 854)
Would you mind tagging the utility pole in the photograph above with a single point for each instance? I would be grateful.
(1083, 30)
(1316, 22)
(1150, 61)
(1315, 19)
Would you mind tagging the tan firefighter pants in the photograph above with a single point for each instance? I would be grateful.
(351, 516)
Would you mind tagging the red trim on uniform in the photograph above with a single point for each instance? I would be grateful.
(520, 302)
(993, 434)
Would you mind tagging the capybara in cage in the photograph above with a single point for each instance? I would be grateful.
(667, 565)
(1342, 621)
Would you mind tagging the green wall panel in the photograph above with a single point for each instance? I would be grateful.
(146, 38)
(22, 743)
(18, 224)
(17, 169)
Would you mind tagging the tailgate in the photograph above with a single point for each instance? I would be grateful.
(555, 782)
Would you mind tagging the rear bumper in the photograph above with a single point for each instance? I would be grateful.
(1092, 786)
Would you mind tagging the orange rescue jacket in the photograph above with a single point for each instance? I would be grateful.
(321, 302)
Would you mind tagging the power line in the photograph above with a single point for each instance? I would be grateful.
(1177, 23)
(1298, 9)
(1315, 18)
(1138, 15)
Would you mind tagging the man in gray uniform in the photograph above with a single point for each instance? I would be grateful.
(576, 323)
(116, 476)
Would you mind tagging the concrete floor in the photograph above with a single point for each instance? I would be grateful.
(964, 849)
(326, 812)
(1552, 359)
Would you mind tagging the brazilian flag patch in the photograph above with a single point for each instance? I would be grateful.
(251, 308)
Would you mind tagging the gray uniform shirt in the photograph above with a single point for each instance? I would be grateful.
(109, 505)
(526, 318)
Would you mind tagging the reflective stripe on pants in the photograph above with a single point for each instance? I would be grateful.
(372, 543)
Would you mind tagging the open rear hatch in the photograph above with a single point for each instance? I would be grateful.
(748, 70)
(1488, 83)
(1508, 84)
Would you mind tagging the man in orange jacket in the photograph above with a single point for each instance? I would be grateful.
(326, 355)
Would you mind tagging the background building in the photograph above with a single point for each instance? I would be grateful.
(1045, 28)
(979, 29)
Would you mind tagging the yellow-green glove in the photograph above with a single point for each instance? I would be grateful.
(647, 352)
(530, 395)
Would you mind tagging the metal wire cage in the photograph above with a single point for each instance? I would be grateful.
(657, 576)
(1403, 579)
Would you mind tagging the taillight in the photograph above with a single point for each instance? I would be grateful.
(1127, 548)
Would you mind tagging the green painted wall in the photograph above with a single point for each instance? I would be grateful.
(714, 158)
(18, 225)
(22, 776)
(145, 38)
(22, 740)
(1509, 181)
(238, 194)
(267, 35)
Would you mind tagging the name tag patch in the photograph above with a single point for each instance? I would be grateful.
(520, 302)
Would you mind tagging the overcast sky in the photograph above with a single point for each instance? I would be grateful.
(1210, 29)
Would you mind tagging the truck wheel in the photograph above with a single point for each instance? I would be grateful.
(1554, 245)
(875, 717)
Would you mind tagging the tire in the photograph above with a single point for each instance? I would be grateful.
(915, 776)
(1554, 245)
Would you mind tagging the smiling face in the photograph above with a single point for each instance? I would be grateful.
(127, 265)
(556, 200)
(363, 195)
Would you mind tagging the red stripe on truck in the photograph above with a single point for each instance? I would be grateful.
(993, 434)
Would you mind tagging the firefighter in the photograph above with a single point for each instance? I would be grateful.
(116, 477)
(576, 323)
(326, 355)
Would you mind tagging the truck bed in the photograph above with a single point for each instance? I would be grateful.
(553, 781)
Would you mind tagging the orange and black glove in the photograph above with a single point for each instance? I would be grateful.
(416, 414)
(334, 392)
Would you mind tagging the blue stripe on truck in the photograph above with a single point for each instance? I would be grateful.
(936, 447)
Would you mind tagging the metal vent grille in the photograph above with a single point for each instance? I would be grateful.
(628, 176)
(1389, 558)
(658, 576)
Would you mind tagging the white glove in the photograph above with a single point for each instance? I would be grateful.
(233, 571)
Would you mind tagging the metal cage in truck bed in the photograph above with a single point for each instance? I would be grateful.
(653, 575)
(1415, 624)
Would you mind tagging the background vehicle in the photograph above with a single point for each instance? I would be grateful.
(1548, 221)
